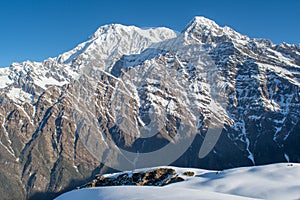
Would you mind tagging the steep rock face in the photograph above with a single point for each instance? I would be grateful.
(132, 98)
(39, 137)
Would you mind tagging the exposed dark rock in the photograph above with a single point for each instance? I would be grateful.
(154, 177)
(61, 120)
(189, 173)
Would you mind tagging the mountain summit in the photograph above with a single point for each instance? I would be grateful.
(130, 98)
(112, 41)
(206, 30)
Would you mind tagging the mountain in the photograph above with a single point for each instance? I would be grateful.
(129, 98)
(259, 182)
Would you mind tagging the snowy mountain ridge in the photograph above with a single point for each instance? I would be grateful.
(125, 98)
(208, 30)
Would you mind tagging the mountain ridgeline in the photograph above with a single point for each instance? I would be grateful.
(208, 97)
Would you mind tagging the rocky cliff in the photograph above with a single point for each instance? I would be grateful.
(128, 98)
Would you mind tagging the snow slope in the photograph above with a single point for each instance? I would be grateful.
(276, 181)
(62, 117)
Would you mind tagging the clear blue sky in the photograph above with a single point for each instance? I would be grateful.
(38, 29)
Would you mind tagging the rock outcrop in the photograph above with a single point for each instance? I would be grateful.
(153, 177)
(133, 98)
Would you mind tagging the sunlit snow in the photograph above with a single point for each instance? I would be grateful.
(276, 181)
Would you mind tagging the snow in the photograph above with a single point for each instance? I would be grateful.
(254, 117)
(71, 72)
(19, 96)
(171, 107)
(154, 34)
(6, 135)
(282, 58)
(4, 81)
(112, 41)
(280, 71)
(43, 82)
(146, 193)
(157, 99)
(286, 157)
(241, 126)
(276, 181)
(9, 150)
(250, 156)
(208, 27)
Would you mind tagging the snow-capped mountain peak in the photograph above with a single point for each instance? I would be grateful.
(110, 29)
(206, 30)
(110, 87)
(202, 22)
(113, 41)
(155, 34)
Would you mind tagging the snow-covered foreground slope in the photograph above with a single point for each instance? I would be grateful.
(127, 98)
(276, 181)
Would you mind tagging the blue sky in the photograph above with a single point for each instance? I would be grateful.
(38, 29)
